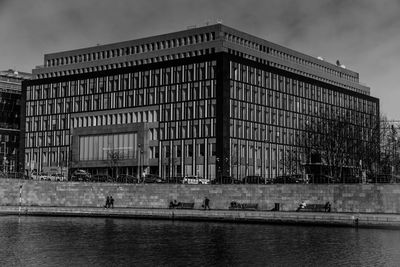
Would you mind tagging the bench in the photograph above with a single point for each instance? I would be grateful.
(316, 208)
(243, 206)
(181, 205)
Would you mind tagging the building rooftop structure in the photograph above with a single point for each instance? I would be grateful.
(195, 42)
(10, 80)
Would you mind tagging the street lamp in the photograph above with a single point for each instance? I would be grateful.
(140, 154)
(264, 160)
(394, 157)
(4, 157)
(142, 165)
(394, 141)
(138, 157)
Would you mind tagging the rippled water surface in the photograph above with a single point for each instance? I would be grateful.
(54, 241)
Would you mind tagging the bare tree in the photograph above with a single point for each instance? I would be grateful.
(114, 157)
(292, 161)
(336, 143)
(389, 143)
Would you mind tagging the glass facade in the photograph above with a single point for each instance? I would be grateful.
(209, 115)
(10, 108)
(270, 111)
(100, 147)
(177, 103)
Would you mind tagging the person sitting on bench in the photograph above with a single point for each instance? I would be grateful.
(328, 207)
(301, 206)
(174, 204)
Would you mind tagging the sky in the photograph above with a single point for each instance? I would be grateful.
(363, 34)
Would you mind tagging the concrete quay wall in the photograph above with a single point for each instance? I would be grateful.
(364, 220)
(355, 198)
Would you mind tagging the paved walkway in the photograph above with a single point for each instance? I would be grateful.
(301, 218)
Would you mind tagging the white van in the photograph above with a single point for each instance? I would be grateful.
(195, 180)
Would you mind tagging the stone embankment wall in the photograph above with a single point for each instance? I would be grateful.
(371, 198)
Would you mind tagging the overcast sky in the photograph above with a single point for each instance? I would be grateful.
(363, 34)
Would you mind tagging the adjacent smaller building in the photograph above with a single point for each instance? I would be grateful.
(10, 109)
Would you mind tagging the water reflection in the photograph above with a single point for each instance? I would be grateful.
(47, 241)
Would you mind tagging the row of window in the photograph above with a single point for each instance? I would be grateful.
(202, 128)
(313, 65)
(248, 83)
(189, 110)
(290, 136)
(142, 79)
(179, 111)
(114, 119)
(287, 57)
(43, 157)
(138, 62)
(125, 99)
(294, 114)
(174, 152)
(133, 49)
(50, 122)
(364, 90)
(47, 139)
(264, 97)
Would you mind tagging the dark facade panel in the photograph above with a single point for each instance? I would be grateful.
(271, 114)
(176, 100)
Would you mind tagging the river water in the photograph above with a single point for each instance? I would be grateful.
(63, 241)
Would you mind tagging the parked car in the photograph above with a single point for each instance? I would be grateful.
(195, 180)
(35, 175)
(44, 177)
(102, 178)
(58, 177)
(80, 176)
(225, 180)
(126, 178)
(253, 179)
(79, 171)
(152, 178)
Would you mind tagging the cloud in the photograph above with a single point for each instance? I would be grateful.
(363, 34)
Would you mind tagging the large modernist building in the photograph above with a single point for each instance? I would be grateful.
(10, 109)
(210, 101)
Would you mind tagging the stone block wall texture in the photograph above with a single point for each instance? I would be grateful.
(370, 198)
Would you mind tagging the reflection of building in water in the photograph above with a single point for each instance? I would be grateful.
(209, 101)
(10, 108)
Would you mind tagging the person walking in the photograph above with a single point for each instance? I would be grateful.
(111, 202)
(107, 205)
(206, 203)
